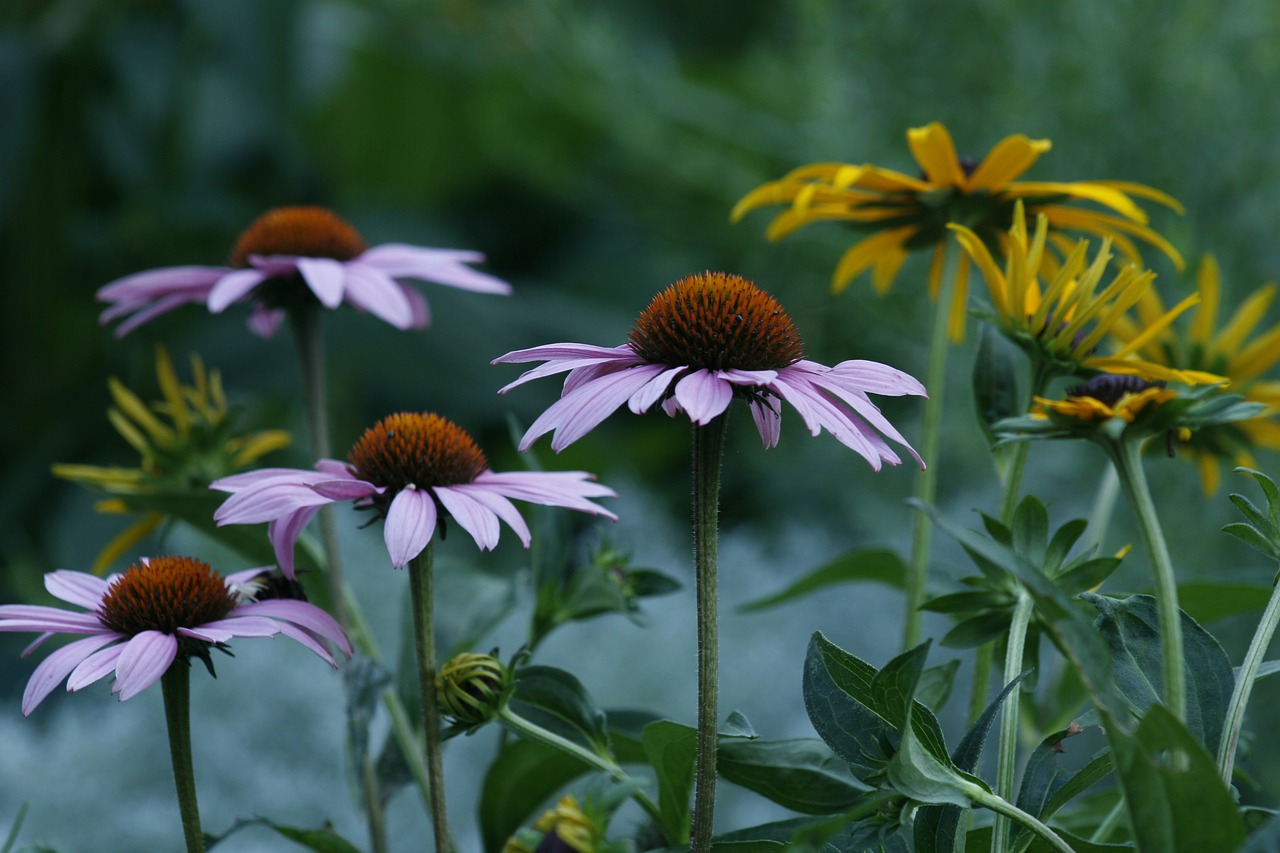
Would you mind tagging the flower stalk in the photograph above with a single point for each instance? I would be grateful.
(708, 450)
(1007, 757)
(1244, 685)
(175, 685)
(420, 584)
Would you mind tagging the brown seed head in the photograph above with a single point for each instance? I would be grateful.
(422, 450)
(308, 232)
(164, 594)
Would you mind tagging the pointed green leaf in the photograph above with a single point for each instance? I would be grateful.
(1087, 575)
(875, 565)
(996, 368)
(671, 748)
(1251, 537)
(557, 701)
(977, 630)
(1030, 529)
(1047, 787)
(802, 774)
(1063, 540)
(935, 685)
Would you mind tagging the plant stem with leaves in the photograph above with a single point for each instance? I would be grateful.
(1244, 685)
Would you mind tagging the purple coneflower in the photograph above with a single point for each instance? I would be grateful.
(412, 469)
(140, 622)
(293, 253)
(701, 342)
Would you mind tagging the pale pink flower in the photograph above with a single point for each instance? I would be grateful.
(300, 252)
(137, 624)
(414, 470)
(700, 343)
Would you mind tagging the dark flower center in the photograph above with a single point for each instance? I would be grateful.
(165, 594)
(1109, 388)
(421, 450)
(716, 321)
(308, 232)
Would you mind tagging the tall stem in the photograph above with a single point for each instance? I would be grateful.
(175, 684)
(424, 632)
(1244, 685)
(708, 448)
(1126, 455)
(1006, 761)
(927, 479)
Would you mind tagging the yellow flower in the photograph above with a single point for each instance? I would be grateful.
(568, 822)
(1227, 350)
(908, 213)
(1061, 323)
(184, 442)
(1094, 404)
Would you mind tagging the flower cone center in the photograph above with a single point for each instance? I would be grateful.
(164, 594)
(716, 321)
(308, 232)
(421, 450)
(1111, 389)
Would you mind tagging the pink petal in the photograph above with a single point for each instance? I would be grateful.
(166, 281)
(418, 305)
(653, 390)
(576, 414)
(442, 266)
(79, 588)
(145, 658)
(300, 613)
(57, 666)
(374, 291)
(346, 490)
(566, 357)
(410, 524)
(326, 278)
(472, 516)
(703, 395)
(95, 667)
(308, 641)
(499, 506)
(265, 322)
(568, 489)
(37, 617)
(872, 377)
(223, 630)
(233, 287)
(283, 534)
(768, 422)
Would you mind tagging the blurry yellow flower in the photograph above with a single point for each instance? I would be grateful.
(567, 827)
(184, 442)
(1123, 397)
(908, 213)
(1226, 350)
(1059, 324)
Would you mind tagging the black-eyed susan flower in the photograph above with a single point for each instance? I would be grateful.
(185, 440)
(907, 213)
(414, 470)
(1231, 350)
(572, 826)
(157, 614)
(1058, 312)
(700, 343)
(293, 254)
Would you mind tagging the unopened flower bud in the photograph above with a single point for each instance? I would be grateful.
(469, 687)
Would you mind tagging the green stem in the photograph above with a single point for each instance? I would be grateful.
(175, 684)
(1126, 455)
(594, 759)
(1006, 761)
(420, 585)
(708, 448)
(1104, 506)
(373, 807)
(1109, 823)
(1244, 685)
(1001, 806)
(981, 680)
(927, 478)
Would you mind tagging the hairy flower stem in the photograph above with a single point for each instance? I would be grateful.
(175, 684)
(927, 478)
(708, 449)
(600, 762)
(424, 632)
(1001, 806)
(1244, 685)
(1127, 458)
(1007, 757)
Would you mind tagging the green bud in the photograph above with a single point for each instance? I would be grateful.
(469, 687)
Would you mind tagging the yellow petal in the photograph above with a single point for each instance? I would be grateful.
(1106, 196)
(133, 407)
(1143, 191)
(976, 249)
(882, 180)
(1115, 227)
(1242, 323)
(249, 448)
(1210, 473)
(1258, 356)
(959, 302)
(1012, 156)
(866, 252)
(1157, 327)
(1209, 284)
(98, 476)
(126, 541)
(933, 149)
(172, 390)
(774, 192)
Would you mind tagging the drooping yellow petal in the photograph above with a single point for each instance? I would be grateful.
(886, 270)
(130, 433)
(866, 252)
(98, 476)
(976, 249)
(126, 541)
(1012, 156)
(1143, 191)
(959, 313)
(1154, 330)
(883, 180)
(1209, 284)
(1242, 323)
(135, 409)
(933, 149)
(774, 192)
(1115, 227)
(1103, 195)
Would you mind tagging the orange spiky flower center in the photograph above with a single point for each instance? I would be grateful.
(308, 232)
(716, 321)
(165, 594)
(419, 450)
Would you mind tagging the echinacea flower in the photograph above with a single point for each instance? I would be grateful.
(908, 213)
(184, 441)
(1060, 322)
(160, 612)
(700, 343)
(1225, 350)
(413, 470)
(291, 255)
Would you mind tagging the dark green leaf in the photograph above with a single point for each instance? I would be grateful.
(876, 565)
(802, 774)
(977, 630)
(626, 734)
(1130, 628)
(671, 748)
(1251, 537)
(966, 602)
(1063, 539)
(935, 685)
(1211, 601)
(1086, 575)
(323, 840)
(1030, 530)
(524, 776)
(979, 841)
(1046, 787)
(648, 583)
(996, 368)
(557, 701)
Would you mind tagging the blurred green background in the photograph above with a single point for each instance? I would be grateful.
(592, 151)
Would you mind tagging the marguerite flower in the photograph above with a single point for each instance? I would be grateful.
(1227, 350)
(290, 255)
(159, 612)
(906, 213)
(704, 340)
(413, 470)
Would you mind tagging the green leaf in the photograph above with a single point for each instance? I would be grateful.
(996, 369)
(875, 565)
(322, 840)
(1130, 629)
(626, 734)
(1047, 787)
(935, 685)
(977, 630)
(736, 725)
(1175, 798)
(1251, 537)
(557, 701)
(524, 776)
(671, 748)
(1063, 539)
(979, 841)
(802, 774)
(967, 601)
(1086, 575)
(1211, 601)
(1030, 529)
